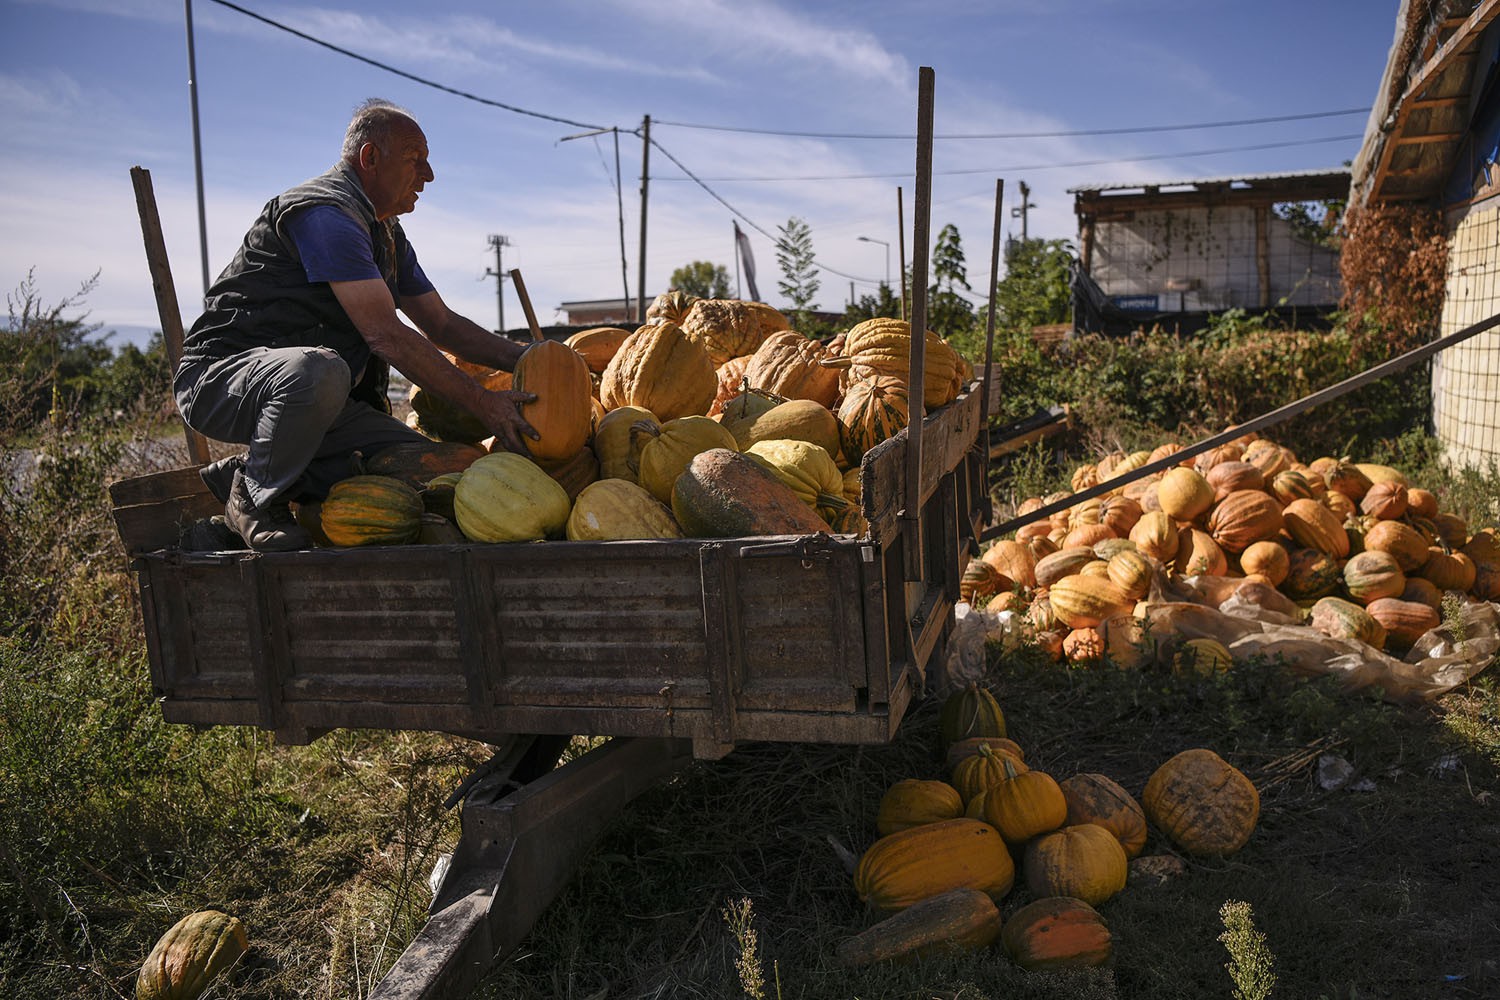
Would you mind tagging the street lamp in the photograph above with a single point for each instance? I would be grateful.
(869, 239)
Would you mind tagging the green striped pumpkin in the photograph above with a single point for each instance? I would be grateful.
(873, 409)
(372, 510)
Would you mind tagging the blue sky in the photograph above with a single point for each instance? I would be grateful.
(89, 88)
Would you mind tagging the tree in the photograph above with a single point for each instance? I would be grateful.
(794, 254)
(948, 312)
(883, 303)
(1036, 288)
(703, 279)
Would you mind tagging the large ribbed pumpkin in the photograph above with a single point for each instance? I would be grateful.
(882, 346)
(730, 328)
(188, 957)
(669, 448)
(1058, 932)
(659, 369)
(788, 364)
(1243, 518)
(931, 859)
(504, 497)
(1099, 799)
(372, 510)
(1083, 861)
(955, 921)
(615, 509)
(1205, 805)
(915, 801)
(1227, 477)
(1448, 570)
(873, 410)
(673, 306)
(1063, 563)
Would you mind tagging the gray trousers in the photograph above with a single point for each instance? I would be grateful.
(290, 407)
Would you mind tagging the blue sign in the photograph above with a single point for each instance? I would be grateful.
(1135, 303)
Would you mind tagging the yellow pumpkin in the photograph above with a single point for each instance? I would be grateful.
(615, 509)
(614, 444)
(1205, 805)
(659, 369)
(924, 861)
(505, 497)
(669, 448)
(1084, 861)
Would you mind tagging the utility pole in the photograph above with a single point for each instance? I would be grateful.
(499, 243)
(640, 298)
(1021, 210)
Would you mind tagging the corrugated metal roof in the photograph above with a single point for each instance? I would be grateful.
(1246, 181)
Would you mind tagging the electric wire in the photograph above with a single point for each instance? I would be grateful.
(1037, 166)
(1061, 134)
(403, 73)
(741, 215)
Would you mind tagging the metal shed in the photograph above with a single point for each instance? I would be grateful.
(1174, 252)
(1434, 136)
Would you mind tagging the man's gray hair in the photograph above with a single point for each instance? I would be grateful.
(374, 121)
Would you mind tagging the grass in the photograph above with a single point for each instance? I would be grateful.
(724, 881)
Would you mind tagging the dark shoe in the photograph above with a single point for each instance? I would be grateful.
(268, 529)
(219, 476)
(210, 534)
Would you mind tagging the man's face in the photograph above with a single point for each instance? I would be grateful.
(395, 177)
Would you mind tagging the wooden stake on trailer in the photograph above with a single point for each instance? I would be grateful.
(166, 291)
(916, 381)
(901, 238)
(989, 354)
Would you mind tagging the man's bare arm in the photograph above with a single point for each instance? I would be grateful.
(460, 335)
(370, 306)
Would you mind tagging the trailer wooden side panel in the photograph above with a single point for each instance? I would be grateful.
(800, 638)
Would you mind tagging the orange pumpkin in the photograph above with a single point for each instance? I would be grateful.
(1058, 932)
(1205, 805)
(1025, 804)
(928, 860)
(1098, 799)
(561, 413)
(1083, 861)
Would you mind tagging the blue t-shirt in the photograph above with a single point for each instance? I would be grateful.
(334, 247)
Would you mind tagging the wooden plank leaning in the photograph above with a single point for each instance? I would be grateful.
(166, 291)
(916, 370)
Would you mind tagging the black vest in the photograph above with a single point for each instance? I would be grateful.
(263, 298)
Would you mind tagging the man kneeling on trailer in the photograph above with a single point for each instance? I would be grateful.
(291, 356)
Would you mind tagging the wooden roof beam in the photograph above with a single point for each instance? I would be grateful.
(1417, 140)
(1452, 48)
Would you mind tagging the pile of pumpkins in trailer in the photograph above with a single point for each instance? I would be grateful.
(950, 850)
(714, 419)
(1361, 553)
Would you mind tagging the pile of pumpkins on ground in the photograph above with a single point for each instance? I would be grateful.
(1354, 548)
(950, 851)
(714, 419)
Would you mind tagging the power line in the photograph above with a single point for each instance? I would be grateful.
(401, 72)
(1044, 166)
(1069, 133)
(741, 215)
